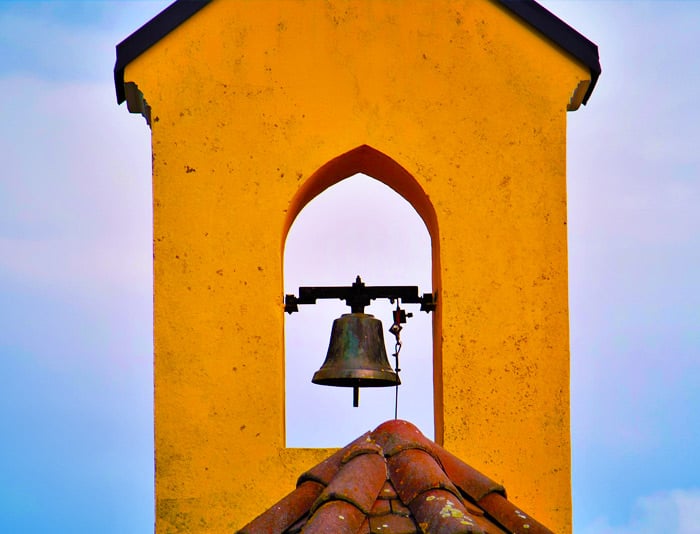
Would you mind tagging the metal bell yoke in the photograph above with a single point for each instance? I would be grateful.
(356, 354)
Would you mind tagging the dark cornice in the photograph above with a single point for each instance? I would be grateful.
(559, 32)
(149, 34)
(548, 24)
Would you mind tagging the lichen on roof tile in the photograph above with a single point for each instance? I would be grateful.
(439, 512)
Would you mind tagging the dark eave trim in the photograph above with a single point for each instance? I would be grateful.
(530, 11)
(149, 34)
(560, 33)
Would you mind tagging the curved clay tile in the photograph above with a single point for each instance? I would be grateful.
(394, 480)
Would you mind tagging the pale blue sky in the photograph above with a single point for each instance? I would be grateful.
(75, 286)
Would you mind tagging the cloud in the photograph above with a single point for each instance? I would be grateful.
(75, 196)
(634, 248)
(672, 512)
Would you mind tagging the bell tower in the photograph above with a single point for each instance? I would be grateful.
(257, 107)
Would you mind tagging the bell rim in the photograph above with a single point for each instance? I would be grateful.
(364, 378)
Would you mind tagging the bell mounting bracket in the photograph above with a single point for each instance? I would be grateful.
(358, 295)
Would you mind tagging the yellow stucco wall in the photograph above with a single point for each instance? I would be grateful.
(464, 108)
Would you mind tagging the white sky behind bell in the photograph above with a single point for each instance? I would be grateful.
(357, 227)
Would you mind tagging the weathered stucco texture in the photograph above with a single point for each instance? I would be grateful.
(457, 105)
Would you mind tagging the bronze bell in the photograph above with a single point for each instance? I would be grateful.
(356, 356)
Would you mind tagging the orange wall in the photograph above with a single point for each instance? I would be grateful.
(256, 107)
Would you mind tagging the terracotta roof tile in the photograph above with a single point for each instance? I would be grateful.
(327, 469)
(381, 507)
(357, 482)
(510, 516)
(439, 512)
(296, 527)
(397, 435)
(363, 445)
(394, 524)
(414, 471)
(398, 508)
(335, 516)
(394, 480)
(288, 511)
(468, 479)
(388, 491)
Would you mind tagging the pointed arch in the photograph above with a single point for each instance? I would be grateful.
(366, 160)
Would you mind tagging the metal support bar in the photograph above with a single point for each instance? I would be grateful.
(358, 295)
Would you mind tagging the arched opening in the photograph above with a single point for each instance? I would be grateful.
(358, 226)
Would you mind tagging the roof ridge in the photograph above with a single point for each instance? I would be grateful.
(395, 478)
